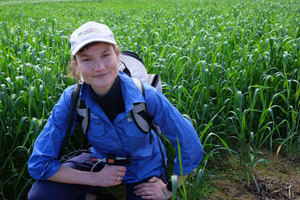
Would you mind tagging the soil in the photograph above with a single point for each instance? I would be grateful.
(277, 179)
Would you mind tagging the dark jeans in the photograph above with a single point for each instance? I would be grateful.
(44, 190)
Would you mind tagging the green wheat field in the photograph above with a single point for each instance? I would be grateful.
(231, 67)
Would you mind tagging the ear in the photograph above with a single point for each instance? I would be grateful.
(75, 63)
(117, 51)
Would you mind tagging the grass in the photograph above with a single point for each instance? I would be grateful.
(231, 67)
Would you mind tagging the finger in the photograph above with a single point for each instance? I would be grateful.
(148, 190)
(116, 167)
(118, 178)
(120, 168)
(141, 185)
(116, 183)
(144, 191)
(114, 171)
(153, 179)
(121, 174)
(148, 197)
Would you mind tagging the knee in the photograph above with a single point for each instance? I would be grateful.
(37, 192)
(34, 195)
(49, 190)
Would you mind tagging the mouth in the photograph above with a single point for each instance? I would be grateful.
(100, 75)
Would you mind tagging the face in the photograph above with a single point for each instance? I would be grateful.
(98, 66)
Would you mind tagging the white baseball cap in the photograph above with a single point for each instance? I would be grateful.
(90, 32)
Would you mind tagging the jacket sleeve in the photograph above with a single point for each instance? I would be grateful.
(173, 124)
(43, 162)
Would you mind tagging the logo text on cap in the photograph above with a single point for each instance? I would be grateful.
(88, 31)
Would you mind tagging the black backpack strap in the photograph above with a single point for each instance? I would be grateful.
(126, 70)
(139, 111)
(84, 115)
(75, 97)
(144, 121)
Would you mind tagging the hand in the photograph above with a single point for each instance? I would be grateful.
(110, 175)
(154, 189)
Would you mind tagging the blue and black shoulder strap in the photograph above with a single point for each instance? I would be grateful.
(75, 98)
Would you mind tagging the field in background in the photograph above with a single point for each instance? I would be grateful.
(231, 67)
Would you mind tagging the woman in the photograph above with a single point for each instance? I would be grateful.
(110, 95)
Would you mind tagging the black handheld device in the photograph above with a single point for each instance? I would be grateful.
(112, 159)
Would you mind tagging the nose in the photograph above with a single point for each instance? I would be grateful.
(98, 65)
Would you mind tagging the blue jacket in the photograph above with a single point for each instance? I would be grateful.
(122, 137)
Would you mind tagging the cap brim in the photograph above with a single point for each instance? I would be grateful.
(79, 46)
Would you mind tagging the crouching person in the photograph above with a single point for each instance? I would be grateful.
(110, 95)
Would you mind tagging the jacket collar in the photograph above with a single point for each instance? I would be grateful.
(131, 93)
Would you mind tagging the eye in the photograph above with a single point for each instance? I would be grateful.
(105, 55)
(86, 60)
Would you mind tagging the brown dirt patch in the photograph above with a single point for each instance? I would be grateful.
(278, 179)
(267, 188)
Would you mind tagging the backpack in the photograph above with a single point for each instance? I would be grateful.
(133, 66)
